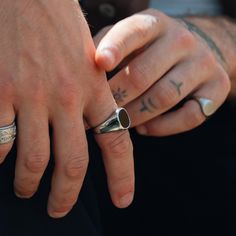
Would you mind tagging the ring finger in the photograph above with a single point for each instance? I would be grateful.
(190, 114)
(33, 149)
(7, 116)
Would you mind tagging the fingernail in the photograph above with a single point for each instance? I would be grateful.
(142, 130)
(126, 200)
(109, 56)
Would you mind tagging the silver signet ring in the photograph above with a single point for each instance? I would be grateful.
(119, 120)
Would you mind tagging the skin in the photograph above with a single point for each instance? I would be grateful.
(164, 60)
(48, 77)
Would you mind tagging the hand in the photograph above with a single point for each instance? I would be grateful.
(162, 60)
(48, 76)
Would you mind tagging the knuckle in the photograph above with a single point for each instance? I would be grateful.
(68, 94)
(208, 62)
(36, 163)
(158, 14)
(120, 145)
(119, 49)
(36, 90)
(138, 76)
(76, 166)
(146, 24)
(64, 203)
(26, 186)
(184, 39)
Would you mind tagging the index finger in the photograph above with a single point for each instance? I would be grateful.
(128, 36)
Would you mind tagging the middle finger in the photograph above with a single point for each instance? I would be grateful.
(167, 92)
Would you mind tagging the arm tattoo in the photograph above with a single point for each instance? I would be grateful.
(193, 28)
(177, 86)
(119, 95)
(147, 106)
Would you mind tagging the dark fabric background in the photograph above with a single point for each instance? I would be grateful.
(230, 7)
(185, 184)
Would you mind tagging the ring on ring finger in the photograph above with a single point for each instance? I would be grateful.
(7, 133)
(208, 107)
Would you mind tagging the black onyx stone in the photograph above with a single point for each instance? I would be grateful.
(124, 118)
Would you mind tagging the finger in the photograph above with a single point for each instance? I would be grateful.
(166, 93)
(71, 161)
(7, 116)
(99, 36)
(127, 36)
(117, 154)
(116, 149)
(190, 115)
(33, 149)
(145, 70)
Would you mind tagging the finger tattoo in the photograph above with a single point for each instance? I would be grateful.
(177, 86)
(119, 94)
(147, 106)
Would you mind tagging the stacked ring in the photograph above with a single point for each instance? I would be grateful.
(7, 133)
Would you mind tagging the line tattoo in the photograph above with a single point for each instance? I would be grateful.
(147, 106)
(119, 95)
(177, 86)
(193, 28)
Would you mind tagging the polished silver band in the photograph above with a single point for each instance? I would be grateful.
(7, 133)
(119, 120)
(208, 107)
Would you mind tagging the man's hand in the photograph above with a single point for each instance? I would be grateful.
(163, 60)
(48, 76)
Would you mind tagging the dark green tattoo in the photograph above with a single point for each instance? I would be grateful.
(148, 106)
(193, 28)
(177, 86)
(119, 94)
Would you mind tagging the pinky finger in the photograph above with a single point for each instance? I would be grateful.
(189, 116)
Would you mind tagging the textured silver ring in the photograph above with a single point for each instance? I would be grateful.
(7, 133)
(119, 120)
(207, 106)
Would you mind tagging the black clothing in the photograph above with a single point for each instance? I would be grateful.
(185, 185)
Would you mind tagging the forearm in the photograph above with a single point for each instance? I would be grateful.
(220, 34)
